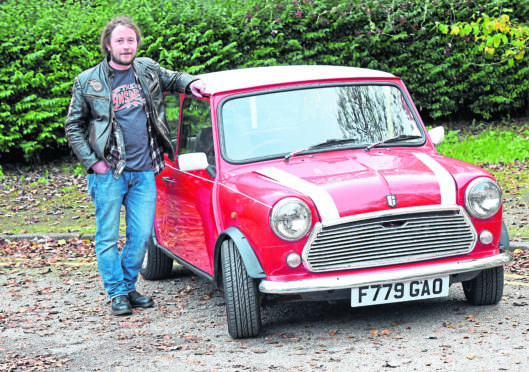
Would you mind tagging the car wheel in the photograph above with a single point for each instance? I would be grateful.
(156, 265)
(240, 293)
(486, 288)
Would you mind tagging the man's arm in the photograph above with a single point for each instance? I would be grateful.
(75, 128)
(175, 81)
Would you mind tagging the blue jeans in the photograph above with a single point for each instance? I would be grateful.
(137, 192)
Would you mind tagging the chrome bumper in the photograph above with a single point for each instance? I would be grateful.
(355, 280)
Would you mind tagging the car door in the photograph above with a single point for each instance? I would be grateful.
(184, 214)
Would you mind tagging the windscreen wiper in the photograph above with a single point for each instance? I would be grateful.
(329, 142)
(402, 137)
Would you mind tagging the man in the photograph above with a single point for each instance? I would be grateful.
(116, 127)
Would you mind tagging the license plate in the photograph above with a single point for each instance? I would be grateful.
(376, 294)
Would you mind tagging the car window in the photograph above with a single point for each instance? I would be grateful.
(172, 112)
(196, 132)
(280, 122)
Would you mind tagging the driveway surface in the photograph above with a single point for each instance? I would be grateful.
(57, 317)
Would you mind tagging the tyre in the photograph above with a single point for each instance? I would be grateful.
(156, 265)
(486, 288)
(241, 294)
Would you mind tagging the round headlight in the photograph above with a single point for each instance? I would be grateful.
(483, 198)
(290, 219)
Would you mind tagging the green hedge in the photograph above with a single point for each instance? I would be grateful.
(45, 43)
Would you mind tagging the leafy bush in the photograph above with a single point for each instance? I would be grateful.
(45, 43)
(44, 46)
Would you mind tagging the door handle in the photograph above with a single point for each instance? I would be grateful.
(168, 180)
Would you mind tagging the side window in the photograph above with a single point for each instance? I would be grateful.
(196, 133)
(172, 112)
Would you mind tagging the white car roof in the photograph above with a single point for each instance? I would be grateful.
(229, 80)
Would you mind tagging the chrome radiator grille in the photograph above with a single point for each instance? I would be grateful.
(379, 240)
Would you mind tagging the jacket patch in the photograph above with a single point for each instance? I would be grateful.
(96, 85)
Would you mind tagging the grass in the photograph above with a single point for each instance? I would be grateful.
(491, 146)
(46, 200)
(29, 207)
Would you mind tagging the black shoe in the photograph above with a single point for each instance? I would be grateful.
(121, 305)
(138, 300)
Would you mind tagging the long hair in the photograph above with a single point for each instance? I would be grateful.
(118, 21)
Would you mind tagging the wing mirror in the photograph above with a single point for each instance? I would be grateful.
(193, 161)
(437, 135)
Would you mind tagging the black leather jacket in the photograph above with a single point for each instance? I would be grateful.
(88, 125)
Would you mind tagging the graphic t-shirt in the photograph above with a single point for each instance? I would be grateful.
(129, 109)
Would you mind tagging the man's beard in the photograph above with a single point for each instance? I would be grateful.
(119, 61)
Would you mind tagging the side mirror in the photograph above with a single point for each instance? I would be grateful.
(193, 161)
(437, 135)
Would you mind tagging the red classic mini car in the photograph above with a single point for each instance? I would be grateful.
(321, 182)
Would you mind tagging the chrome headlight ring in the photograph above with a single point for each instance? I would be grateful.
(290, 219)
(483, 198)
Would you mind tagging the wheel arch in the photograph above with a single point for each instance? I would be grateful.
(251, 262)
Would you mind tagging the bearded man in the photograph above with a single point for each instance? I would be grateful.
(116, 126)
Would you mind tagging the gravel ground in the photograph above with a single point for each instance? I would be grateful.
(58, 318)
(62, 322)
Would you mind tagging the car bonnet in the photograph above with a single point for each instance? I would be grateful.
(342, 184)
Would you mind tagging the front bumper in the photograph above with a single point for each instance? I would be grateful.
(356, 280)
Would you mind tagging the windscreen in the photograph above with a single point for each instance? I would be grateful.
(278, 123)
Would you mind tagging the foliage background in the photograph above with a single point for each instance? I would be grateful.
(45, 43)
